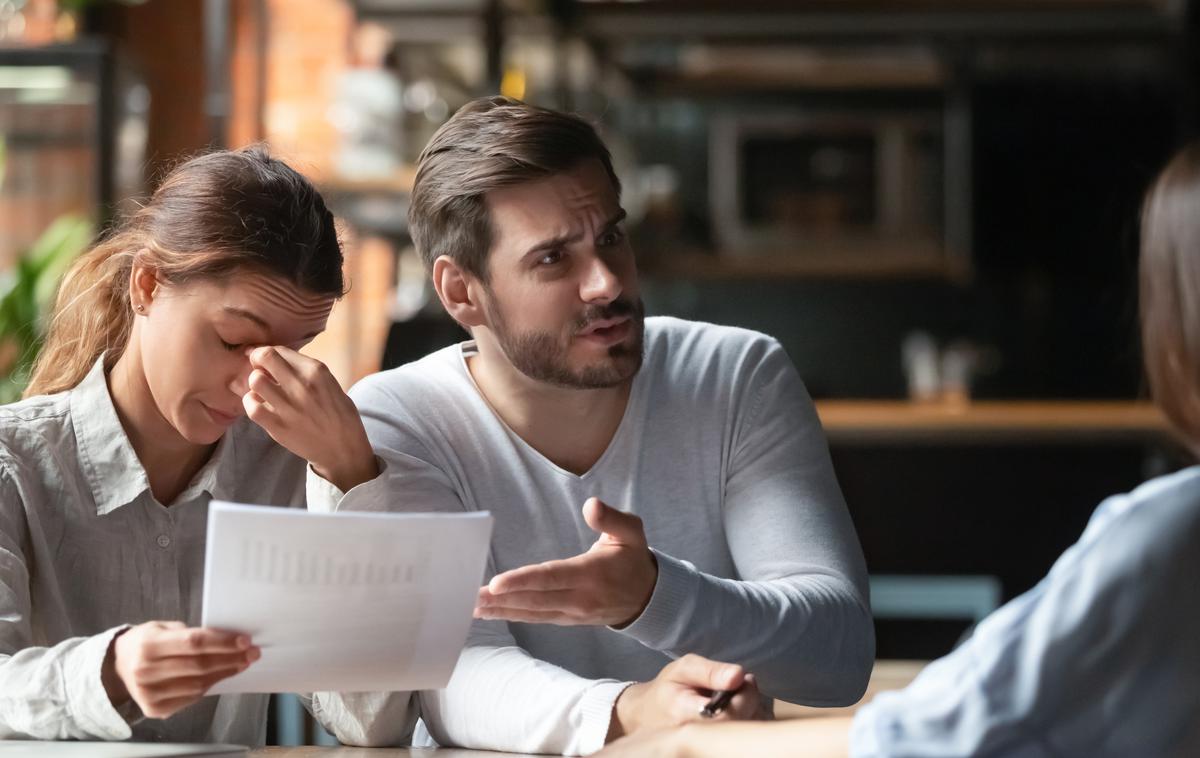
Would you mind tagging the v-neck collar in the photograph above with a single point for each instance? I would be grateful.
(464, 349)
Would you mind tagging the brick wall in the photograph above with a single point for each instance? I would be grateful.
(285, 69)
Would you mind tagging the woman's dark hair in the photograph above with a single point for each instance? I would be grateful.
(1170, 291)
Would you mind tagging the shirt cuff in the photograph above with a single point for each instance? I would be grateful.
(323, 496)
(87, 700)
(672, 605)
(864, 743)
(597, 708)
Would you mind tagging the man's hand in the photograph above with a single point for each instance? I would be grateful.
(164, 666)
(678, 694)
(610, 584)
(301, 405)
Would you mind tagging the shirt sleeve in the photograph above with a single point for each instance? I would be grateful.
(499, 697)
(1098, 659)
(798, 614)
(502, 698)
(46, 693)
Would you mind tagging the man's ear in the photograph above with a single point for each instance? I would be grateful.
(459, 291)
(144, 285)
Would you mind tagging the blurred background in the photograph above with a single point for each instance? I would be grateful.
(933, 204)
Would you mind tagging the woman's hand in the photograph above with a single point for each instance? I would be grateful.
(301, 405)
(164, 666)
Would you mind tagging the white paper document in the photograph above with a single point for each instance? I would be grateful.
(347, 602)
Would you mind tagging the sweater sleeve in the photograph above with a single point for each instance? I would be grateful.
(798, 614)
(46, 693)
(1099, 659)
(499, 697)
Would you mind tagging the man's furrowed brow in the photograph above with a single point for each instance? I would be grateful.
(551, 244)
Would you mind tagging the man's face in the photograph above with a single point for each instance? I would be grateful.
(562, 295)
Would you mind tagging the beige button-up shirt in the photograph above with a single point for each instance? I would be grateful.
(85, 550)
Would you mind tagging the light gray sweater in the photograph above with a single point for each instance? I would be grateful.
(721, 454)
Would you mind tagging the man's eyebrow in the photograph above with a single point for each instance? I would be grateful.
(617, 218)
(566, 239)
(551, 244)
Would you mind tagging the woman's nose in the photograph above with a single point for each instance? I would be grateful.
(240, 383)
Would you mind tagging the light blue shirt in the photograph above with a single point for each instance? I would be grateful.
(1102, 658)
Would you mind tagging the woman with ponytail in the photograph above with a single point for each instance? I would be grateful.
(170, 376)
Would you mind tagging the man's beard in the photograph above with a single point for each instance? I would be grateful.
(542, 357)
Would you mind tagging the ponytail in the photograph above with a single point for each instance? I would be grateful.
(91, 317)
(213, 214)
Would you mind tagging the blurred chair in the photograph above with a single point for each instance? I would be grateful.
(969, 598)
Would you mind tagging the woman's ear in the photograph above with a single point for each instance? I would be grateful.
(143, 284)
(459, 292)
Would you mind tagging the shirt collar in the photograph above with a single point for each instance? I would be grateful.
(110, 465)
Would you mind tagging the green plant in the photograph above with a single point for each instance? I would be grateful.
(26, 292)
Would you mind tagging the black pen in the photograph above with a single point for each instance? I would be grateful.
(717, 703)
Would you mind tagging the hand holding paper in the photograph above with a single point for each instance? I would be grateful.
(349, 602)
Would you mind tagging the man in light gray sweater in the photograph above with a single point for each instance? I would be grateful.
(660, 487)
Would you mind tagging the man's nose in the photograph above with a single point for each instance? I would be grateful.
(600, 282)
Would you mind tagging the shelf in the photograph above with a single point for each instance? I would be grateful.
(752, 267)
(872, 19)
(873, 421)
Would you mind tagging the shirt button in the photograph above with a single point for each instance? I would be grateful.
(164, 541)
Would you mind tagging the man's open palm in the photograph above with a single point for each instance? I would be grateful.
(608, 585)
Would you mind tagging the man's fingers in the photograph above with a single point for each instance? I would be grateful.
(744, 706)
(195, 641)
(540, 577)
(566, 601)
(527, 617)
(624, 528)
(702, 673)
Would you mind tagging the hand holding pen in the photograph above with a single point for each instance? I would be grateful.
(679, 694)
(719, 701)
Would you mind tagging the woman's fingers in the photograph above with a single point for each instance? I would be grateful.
(194, 641)
(262, 384)
(182, 666)
(269, 358)
(261, 412)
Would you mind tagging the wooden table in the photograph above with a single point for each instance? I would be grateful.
(874, 421)
(378, 752)
(887, 675)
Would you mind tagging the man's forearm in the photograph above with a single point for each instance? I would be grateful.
(808, 638)
(814, 738)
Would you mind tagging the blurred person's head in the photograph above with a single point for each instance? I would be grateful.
(1170, 291)
(516, 212)
(234, 249)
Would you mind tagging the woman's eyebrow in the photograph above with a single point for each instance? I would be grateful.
(243, 313)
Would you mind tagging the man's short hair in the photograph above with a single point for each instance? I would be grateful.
(491, 142)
